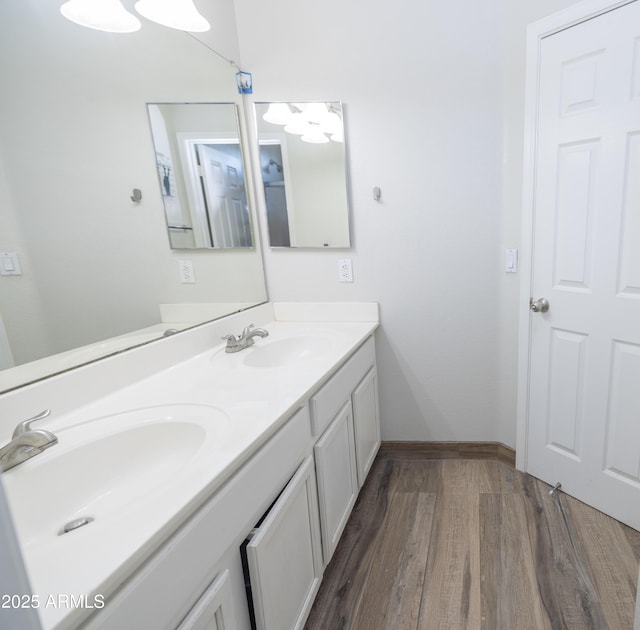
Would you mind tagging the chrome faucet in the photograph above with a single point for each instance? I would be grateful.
(240, 342)
(26, 442)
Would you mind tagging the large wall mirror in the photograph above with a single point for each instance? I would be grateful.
(201, 174)
(97, 270)
(303, 168)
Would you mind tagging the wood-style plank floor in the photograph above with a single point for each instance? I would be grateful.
(466, 544)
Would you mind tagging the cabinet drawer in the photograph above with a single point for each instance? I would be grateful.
(333, 395)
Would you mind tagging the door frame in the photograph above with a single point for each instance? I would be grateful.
(536, 32)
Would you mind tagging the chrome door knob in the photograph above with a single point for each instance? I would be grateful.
(539, 306)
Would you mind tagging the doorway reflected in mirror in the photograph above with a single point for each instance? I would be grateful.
(201, 175)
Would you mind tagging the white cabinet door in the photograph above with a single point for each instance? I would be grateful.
(337, 478)
(284, 556)
(214, 610)
(366, 422)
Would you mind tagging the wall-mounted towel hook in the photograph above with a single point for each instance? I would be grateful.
(136, 196)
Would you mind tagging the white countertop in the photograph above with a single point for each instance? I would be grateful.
(254, 400)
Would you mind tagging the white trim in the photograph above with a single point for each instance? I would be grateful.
(536, 32)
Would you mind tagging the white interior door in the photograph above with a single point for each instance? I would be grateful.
(223, 187)
(584, 361)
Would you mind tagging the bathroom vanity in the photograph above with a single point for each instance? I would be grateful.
(218, 483)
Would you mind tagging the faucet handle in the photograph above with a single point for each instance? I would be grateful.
(232, 340)
(246, 330)
(25, 425)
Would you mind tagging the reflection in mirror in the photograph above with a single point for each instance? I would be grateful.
(303, 167)
(201, 174)
(95, 271)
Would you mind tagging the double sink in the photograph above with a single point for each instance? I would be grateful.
(131, 467)
(118, 467)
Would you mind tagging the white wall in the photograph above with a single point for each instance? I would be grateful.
(20, 306)
(434, 99)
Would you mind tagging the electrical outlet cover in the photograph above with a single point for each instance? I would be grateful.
(345, 270)
(186, 272)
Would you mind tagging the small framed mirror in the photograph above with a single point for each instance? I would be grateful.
(303, 168)
(201, 174)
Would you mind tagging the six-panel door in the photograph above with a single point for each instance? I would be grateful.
(584, 389)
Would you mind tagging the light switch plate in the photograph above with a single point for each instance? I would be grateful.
(511, 261)
(9, 264)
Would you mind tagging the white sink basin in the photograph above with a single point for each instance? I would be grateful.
(106, 468)
(287, 351)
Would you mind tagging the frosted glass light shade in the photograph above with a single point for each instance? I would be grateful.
(298, 125)
(278, 114)
(332, 123)
(103, 15)
(179, 14)
(314, 135)
(316, 112)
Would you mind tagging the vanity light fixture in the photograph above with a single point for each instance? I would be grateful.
(315, 122)
(316, 112)
(179, 14)
(102, 15)
(332, 123)
(298, 125)
(315, 135)
(111, 16)
(278, 114)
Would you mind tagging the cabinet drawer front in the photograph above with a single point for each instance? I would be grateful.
(333, 395)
